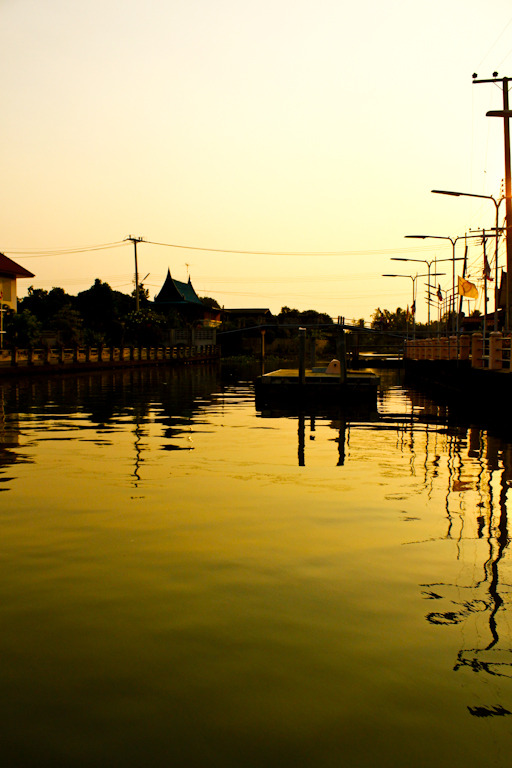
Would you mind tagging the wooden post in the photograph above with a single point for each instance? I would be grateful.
(262, 355)
(342, 355)
(312, 349)
(302, 356)
(355, 350)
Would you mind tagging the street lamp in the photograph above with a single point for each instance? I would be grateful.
(422, 261)
(452, 240)
(497, 204)
(413, 278)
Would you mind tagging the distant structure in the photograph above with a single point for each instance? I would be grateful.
(9, 272)
(182, 298)
(247, 318)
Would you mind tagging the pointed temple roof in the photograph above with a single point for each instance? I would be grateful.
(9, 267)
(176, 292)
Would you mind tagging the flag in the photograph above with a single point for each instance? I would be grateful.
(439, 293)
(467, 289)
(487, 269)
(413, 308)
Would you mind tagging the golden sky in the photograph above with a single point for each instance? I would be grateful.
(310, 131)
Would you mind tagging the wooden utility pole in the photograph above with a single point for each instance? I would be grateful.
(136, 240)
(505, 113)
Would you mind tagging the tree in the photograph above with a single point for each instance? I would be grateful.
(22, 329)
(143, 295)
(103, 311)
(209, 302)
(385, 320)
(44, 305)
(69, 324)
(145, 327)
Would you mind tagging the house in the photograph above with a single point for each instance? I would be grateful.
(182, 298)
(9, 272)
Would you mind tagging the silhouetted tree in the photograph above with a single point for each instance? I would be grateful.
(22, 329)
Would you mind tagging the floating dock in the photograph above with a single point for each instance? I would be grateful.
(316, 384)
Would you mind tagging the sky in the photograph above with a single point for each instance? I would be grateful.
(276, 151)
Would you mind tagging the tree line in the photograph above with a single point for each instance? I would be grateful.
(98, 316)
(101, 315)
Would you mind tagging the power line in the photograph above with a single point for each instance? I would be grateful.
(39, 253)
(43, 253)
(291, 253)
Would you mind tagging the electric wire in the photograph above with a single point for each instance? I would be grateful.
(503, 30)
(44, 253)
(40, 253)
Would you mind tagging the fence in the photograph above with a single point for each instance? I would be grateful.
(492, 352)
(100, 357)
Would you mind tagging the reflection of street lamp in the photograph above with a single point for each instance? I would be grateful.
(413, 278)
(422, 261)
(497, 204)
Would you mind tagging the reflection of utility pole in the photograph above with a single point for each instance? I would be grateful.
(301, 432)
(136, 240)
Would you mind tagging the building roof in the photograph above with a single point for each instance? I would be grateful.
(176, 292)
(9, 267)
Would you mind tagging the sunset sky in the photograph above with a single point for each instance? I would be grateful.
(304, 134)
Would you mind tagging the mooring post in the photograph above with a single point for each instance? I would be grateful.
(262, 358)
(302, 356)
(312, 348)
(342, 354)
(355, 350)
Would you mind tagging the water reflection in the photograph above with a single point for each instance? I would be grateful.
(476, 511)
(473, 484)
(270, 580)
(339, 424)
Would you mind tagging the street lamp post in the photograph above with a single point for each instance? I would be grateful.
(422, 261)
(453, 241)
(413, 278)
(497, 204)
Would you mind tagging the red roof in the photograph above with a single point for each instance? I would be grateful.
(9, 267)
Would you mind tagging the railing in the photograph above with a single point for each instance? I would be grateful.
(493, 352)
(77, 357)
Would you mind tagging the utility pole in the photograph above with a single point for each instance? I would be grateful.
(505, 113)
(136, 240)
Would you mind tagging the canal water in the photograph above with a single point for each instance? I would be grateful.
(188, 581)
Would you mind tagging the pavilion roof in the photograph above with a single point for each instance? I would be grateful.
(176, 292)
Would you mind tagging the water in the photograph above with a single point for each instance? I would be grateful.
(185, 581)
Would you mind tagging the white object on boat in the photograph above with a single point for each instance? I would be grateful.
(333, 367)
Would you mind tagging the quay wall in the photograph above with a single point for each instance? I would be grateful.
(52, 360)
